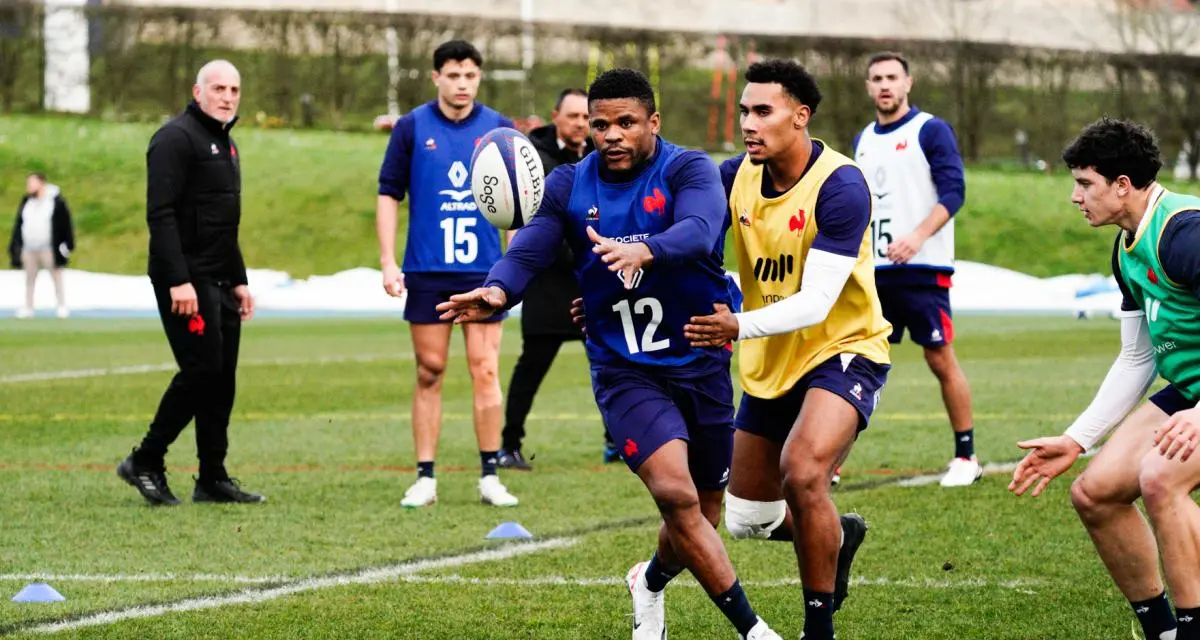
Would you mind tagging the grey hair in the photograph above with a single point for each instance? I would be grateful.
(209, 66)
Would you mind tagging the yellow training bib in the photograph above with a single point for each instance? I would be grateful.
(772, 237)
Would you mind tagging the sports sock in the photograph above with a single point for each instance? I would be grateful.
(964, 443)
(736, 607)
(659, 574)
(425, 469)
(487, 463)
(1189, 624)
(1155, 615)
(818, 615)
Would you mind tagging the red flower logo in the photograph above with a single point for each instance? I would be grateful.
(630, 448)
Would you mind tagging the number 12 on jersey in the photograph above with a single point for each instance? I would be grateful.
(641, 308)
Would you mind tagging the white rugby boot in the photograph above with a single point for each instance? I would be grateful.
(493, 493)
(761, 631)
(422, 494)
(962, 472)
(649, 612)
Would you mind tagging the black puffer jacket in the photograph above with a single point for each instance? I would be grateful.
(194, 201)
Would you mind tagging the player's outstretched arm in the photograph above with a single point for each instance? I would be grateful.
(1127, 381)
(473, 306)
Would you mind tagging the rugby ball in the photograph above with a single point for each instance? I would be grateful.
(507, 181)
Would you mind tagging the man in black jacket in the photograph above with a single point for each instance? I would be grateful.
(193, 207)
(42, 238)
(545, 314)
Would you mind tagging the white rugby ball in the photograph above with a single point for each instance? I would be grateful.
(507, 181)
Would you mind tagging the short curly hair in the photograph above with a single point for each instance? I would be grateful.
(615, 84)
(796, 81)
(1115, 148)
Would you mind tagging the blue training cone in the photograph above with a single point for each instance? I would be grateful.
(38, 592)
(509, 530)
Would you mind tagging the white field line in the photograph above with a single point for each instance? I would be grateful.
(72, 374)
(254, 596)
(144, 577)
(916, 583)
(931, 478)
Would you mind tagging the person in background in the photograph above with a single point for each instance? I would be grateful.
(546, 314)
(42, 238)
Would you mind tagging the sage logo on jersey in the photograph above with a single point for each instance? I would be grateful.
(458, 178)
(773, 270)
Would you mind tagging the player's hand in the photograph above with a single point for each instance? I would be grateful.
(903, 249)
(578, 316)
(1179, 435)
(473, 306)
(1047, 459)
(183, 300)
(628, 259)
(245, 301)
(393, 280)
(712, 330)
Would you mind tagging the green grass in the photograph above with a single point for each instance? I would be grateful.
(329, 443)
(309, 200)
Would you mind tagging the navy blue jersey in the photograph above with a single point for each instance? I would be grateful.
(429, 156)
(676, 205)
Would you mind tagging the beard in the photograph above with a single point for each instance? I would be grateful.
(896, 104)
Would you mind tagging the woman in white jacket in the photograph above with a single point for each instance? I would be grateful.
(43, 238)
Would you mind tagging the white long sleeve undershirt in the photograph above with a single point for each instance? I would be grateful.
(825, 274)
(1127, 381)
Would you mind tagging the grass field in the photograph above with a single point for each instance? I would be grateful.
(309, 200)
(322, 428)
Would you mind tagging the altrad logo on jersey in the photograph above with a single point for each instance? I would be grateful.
(458, 178)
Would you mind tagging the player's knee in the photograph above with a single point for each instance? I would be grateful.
(746, 519)
(941, 360)
(430, 372)
(1088, 500)
(1158, 479)
(483, 370)
(674, 501)
(805, 484)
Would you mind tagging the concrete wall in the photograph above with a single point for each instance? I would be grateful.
(1061, 24)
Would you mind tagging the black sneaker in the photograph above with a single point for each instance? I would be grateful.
(150, 482)
(223, 491)
(854, 528)
(513, 460)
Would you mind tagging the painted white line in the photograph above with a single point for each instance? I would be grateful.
(369, 576)
(916, 583)
(143, 577)
(913, 583)
(931, 478)
(988, 469)
(73, 374)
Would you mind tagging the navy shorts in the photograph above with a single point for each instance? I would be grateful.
(1171, 400)
(858, 382)
(644, 409)
(427, 290)
(923, 310)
